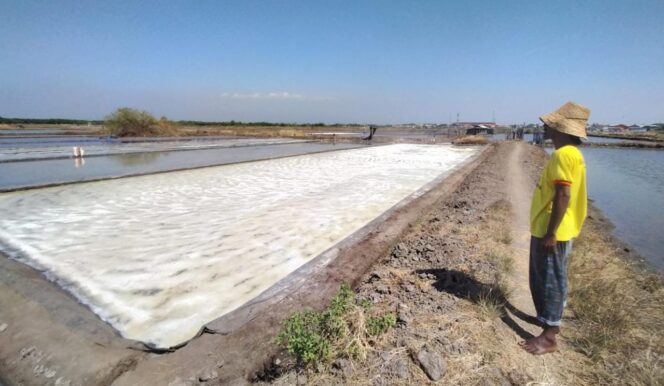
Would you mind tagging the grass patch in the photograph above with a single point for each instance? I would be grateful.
(492, 298)
(503, 235)
(252, 131)
(378, 325)
(617, 315)
(503, 261)
(342, 330)
(499, 214)
(491, 305)
(471, 140)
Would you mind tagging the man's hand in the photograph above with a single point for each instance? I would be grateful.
(560, 202)
(549, 244)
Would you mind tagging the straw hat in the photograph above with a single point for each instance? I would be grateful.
(571, 118)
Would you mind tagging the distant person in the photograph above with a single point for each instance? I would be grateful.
(557, 212)
(538, 137)
(372, 131)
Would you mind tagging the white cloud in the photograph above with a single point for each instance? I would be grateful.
(263, 95)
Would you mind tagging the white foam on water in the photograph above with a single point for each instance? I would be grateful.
(159, 256)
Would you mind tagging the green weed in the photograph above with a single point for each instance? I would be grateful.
(338, 331)
(378, 325)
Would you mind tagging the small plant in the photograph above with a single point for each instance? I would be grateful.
(504, 235)
(303, 339)
(365, 304)
(503, 261)
(378, 325)
(338, 331)
(490, 306)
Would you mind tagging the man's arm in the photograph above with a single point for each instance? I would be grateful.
(560, 203)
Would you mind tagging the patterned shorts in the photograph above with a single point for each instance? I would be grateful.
(548, 280)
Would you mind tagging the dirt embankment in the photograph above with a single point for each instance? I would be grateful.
(450, 281)
(639, 145)
(656, 135)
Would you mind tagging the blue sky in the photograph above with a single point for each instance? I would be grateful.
(333, 61)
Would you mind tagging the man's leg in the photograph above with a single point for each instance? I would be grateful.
(548, 286)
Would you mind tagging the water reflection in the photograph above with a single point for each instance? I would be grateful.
(41, 172)
(24, 149)
(138, 158)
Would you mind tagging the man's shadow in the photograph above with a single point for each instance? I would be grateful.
(464, 286)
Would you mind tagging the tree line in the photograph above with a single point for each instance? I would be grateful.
(61, 121)
(47, 121)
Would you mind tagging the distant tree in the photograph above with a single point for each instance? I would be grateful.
(125, 122)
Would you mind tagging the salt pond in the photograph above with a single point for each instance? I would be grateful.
(159, 256)
(40, 172)
(23, 149)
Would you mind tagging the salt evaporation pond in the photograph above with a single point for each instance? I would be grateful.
(24, 149)
(159, 256)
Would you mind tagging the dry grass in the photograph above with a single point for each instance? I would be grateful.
(617, 315)
(503, 261)
(471, 140)
(503, 235)
(252, 131)
(493, 295)
(344, 330)
(491, 305)
(612, 332)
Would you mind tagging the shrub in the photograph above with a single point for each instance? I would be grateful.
(125, 122)
(338, 331)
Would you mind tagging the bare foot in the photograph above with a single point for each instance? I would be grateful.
(539, 345)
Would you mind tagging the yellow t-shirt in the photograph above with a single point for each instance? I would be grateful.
(566, 167)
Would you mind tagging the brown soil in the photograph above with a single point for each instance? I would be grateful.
(438, 280)
(458, 283)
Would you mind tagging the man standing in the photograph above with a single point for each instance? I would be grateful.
(557, 212)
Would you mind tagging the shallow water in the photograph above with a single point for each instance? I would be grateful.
(44, 172)
(628, 186)
(23, 149)
(30, 131)
(159, 256)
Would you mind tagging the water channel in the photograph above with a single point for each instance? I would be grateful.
(628, 186)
